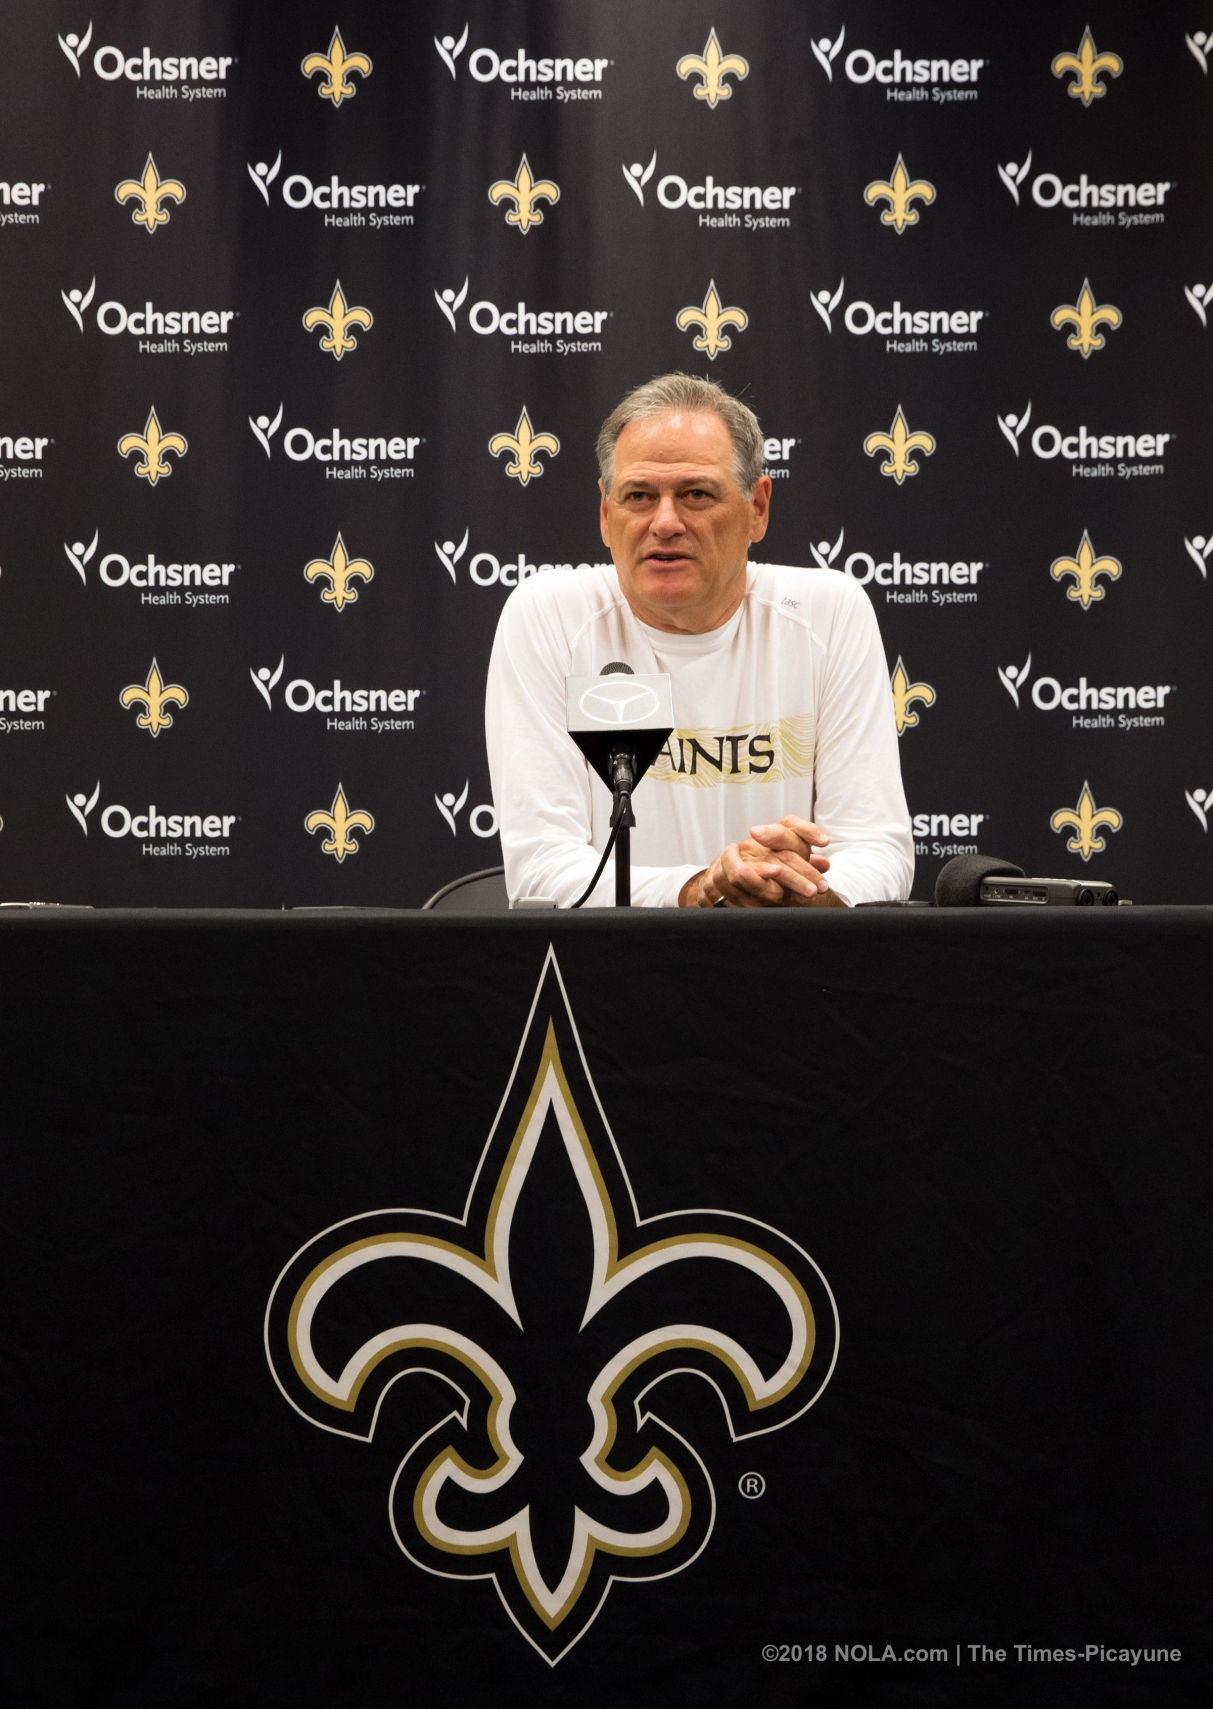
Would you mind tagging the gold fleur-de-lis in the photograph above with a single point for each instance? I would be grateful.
(340, 821)
(338, 318)
(1086, 820)
(1086, 317)
(1084, 568)
(338, 65)
(901, 445)
(524, 191)
(524, 443)
(712, 67)
(155, 694)
(339, 569)
(899, 191)
(149, 191)
(153, 444)
(905, 693)
(711, 317)
(1086, 66)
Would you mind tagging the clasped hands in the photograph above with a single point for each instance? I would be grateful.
(777, 866)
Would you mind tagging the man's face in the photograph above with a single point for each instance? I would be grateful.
(677, 524)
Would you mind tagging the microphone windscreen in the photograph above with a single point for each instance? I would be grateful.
(959, 881)
(617, 668)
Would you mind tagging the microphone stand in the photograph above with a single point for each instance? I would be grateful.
(622, 821)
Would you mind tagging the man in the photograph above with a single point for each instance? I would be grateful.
(781, 695)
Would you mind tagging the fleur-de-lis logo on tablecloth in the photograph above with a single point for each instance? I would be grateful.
(336, 65)
(551, 1312)
(712, 67)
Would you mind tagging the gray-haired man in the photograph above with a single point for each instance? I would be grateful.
(785, 743)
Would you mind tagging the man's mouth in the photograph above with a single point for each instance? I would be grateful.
(661, 559)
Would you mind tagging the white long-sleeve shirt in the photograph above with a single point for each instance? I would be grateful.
(784, 709)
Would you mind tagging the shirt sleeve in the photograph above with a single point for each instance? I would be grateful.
(551, 836)
(859, 800)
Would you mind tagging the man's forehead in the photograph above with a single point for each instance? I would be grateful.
(695, 439)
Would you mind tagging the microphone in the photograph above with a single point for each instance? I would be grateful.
(620, 720)
(959, 881)
(623, 778)
(968, 881)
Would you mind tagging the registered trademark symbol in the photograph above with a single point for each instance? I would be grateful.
(752, 1485)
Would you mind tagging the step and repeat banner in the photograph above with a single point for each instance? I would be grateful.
(310, 318)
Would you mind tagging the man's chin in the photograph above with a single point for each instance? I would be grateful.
(669, 579)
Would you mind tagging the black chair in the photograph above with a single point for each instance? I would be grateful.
(476, 893)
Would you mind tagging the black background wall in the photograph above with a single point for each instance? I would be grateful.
(1024, 701)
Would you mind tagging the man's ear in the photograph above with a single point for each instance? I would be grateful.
(760, 507)
(602, 515)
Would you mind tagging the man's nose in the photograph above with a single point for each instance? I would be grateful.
(666, 518)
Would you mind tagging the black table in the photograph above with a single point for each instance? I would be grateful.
(874, 1245)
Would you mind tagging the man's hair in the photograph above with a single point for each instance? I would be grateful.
(684, 392)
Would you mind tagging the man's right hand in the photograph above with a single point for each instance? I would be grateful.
(776, 866)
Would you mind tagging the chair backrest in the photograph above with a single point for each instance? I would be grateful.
(481, 892)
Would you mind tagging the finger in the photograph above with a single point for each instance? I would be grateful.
(801, 879)
(746, 883)
(791, 833)
(805, 829)
(809, 870)
(752, 850)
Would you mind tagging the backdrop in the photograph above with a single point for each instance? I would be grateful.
(310, 317)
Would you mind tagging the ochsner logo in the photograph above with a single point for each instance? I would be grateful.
(1090, 202)
(1198, 549)
(906, 580)
(346, 704)
(768, 202)
(148, 573)
(904, 330)
(342, 203)
(520, 68)
(482, 820)
(335, 448)
(145, 321)
(904, 79)
(487, 569)
(112, 65)
(1090, 454)
(1199, 45)
(1091, 705)
(159, 830)
(1200, 801)
(530, 330)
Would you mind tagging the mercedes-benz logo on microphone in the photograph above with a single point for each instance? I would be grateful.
(618, 700)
